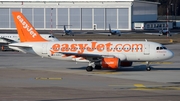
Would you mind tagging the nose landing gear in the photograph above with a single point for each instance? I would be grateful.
(148, 68)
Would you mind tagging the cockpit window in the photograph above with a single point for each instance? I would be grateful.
(51, 36)
(164, 48)
(161, 48)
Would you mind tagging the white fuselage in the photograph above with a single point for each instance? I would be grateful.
(124, 50)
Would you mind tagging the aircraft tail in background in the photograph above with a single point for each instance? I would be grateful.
(114, 32)
(65, 28)
(109, 28)
(24, 26)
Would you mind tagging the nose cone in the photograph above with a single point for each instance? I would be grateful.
(170, 54)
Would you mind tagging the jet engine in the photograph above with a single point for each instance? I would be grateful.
(112, 63)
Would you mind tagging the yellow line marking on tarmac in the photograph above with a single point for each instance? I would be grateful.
(142, 87)
(139, 85)
(149, 88)
(42, 78)
(157, 88)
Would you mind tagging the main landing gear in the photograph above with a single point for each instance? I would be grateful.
(148, 68)
(90, 68)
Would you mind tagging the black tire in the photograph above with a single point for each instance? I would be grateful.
(89, 68)
(148, 68)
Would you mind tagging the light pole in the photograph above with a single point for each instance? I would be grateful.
(172, 11)
(176, 11)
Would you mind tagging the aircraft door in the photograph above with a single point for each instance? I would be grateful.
(44, 48)
(146, 49)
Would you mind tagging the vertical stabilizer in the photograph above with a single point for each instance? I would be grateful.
(26, 31)
(64, 28)
(109, 28)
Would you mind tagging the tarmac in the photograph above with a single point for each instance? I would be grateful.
(26, 77)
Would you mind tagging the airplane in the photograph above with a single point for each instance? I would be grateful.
(67, 32)
(98, 54)
(166, 32)
(114, 32)
(162, 31)
(13, 38)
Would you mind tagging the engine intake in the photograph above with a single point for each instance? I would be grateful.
(112, 63)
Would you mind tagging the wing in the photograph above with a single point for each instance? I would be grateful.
(20, 47)
(90, 57)
(152, 33)
(8, 40)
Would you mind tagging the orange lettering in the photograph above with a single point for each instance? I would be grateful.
(65, 48)
(73, 47)
(104, 47)
(56, 47)
(128, 48)
(118, 47)
(108, 47)
(136, 46)
(93, 45)
(81, 48)
(100, 47)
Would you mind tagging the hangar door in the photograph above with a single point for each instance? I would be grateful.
(86, 18)
(123, 18)
(118, 18)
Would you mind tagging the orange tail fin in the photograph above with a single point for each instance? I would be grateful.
(26, 31)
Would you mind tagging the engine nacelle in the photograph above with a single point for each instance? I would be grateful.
(126, 63)
(112, 63)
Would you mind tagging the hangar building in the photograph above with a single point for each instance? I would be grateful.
(79, 15)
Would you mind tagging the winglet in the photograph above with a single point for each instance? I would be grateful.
(26, 31)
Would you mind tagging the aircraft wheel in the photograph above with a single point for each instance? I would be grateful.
(89, 68)
(98, 67)
(148, 68)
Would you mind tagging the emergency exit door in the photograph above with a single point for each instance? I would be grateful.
(146, 49)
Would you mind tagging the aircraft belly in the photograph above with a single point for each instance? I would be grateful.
(131, 57)
(137, 57)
